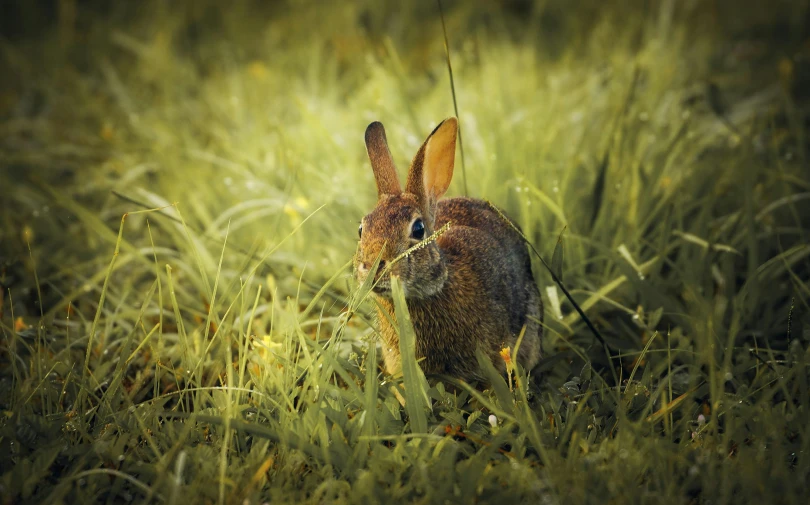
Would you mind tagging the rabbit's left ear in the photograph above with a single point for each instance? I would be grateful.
(432, 167)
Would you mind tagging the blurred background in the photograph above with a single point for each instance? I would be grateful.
(665, 141)
(252, 113)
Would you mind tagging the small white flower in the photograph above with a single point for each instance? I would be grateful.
(493, 421)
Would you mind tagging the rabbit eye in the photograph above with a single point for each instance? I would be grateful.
(418, 230)
(360, 231)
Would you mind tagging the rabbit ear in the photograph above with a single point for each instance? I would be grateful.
(385, 173)
(432, 167)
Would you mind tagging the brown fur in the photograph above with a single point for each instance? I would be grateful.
(473, 287)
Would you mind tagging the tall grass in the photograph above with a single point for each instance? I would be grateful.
(181, 186)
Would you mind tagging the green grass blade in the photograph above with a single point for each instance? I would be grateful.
(417, 401)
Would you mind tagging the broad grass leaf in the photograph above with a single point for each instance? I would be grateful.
(371, 388)
(557, 257)
(598, 193)
(416, 386)
(496, 380)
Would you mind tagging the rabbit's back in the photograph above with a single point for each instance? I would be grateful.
(475, 213)
(486, 255)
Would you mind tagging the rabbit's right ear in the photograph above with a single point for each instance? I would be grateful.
(385, 173)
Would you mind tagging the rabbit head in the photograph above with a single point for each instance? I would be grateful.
(402, 219)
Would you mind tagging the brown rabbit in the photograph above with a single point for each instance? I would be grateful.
(472, 287)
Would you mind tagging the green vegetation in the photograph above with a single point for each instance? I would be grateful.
(213, 348)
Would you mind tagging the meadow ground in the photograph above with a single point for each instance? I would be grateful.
(180, 188)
